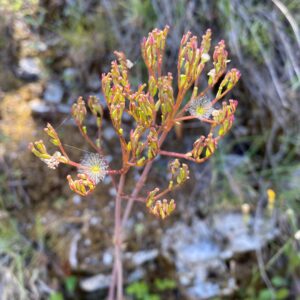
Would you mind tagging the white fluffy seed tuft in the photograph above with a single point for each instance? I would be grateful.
(201, 107)
(94, 166)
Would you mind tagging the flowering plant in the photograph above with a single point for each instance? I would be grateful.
(155, 108)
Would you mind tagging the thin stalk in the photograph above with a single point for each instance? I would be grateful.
(89, 141)
(136, 191)
(193, 118)
(128, 209)
(111, 291)
(118, 238)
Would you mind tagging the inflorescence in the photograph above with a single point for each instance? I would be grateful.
(155, 108)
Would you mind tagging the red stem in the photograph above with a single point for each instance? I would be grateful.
(135, 192)
(87, 138)
(118, 238)
(63, 150)
(183, 156)
(175, 154)
(195, 117)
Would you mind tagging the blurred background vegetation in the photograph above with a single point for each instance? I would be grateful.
(54, 245)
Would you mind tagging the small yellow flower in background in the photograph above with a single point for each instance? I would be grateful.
(271, 199)
(245, 208)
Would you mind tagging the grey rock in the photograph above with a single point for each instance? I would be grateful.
(21, 30)
(64, 108)
(205, 246)
(95, 220)
(70, 77)
(108, 133)
(94, 82)
(32, 47)
(73, 251)
(112, 192)
(204, 290)
(38, 106)
(54, 92)
(29, 68)
(142, 257)
(76, 199)
(107, 258)
(238, 234)
(96, 282)
(136, 275)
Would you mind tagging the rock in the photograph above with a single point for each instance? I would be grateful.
(239, 236)
(70, 77)
(21, 30)
(64, 108)
(108, 133)
(107, 258)
(54, 92)
(38, 106)
(204, 248)
(95, 220)
(112, 192)
(29, 68)
(9, 285)
(141, 257)
(203, 290)
(32, 48)
(136, 275)
(73, 251)
(97, 282)
(77, 199)
(94, 82)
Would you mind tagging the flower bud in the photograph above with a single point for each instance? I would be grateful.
(162, 209)
(82, 186)
(39, 149)
(53, 135)
(79, 111)
(179, 173)
(96, 109)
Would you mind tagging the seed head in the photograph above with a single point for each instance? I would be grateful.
(94, 166)
(201, 108)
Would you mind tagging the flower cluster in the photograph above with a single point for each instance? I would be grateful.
(82, 186)
(157, 207)
(93, 167)
(155, 108)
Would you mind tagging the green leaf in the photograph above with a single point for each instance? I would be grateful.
(138, 289)
(70, 284)
(282, 294)
(278, 281)
(165, 284)
(56, 296)
(265, 295)
(152, 297)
